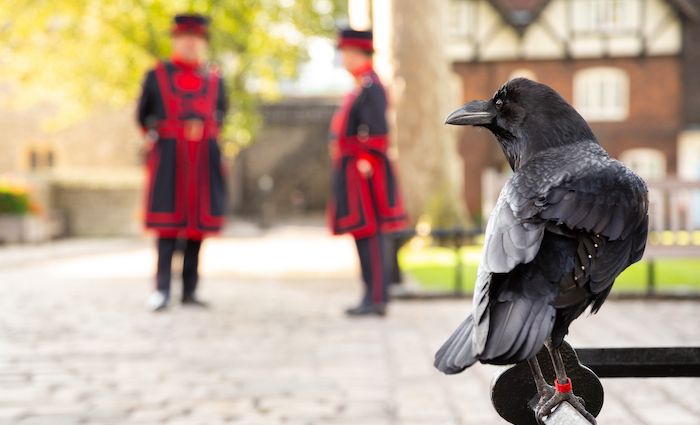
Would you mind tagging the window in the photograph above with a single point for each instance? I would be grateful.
(462, 15)
(39, 158)
(33, 160)
(650, 164)
(523, 73)
(607, 16)
(602, 94)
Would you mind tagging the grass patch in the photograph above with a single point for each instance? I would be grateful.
(434, 269)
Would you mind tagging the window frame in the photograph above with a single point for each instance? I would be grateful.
(629, 15)
(592, 94)
(468, 28)
(649, 163)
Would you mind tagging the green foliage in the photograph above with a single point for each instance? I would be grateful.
(86, 53)
(14, 202)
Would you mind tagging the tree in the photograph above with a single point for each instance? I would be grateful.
(80, 54)
(424, 92)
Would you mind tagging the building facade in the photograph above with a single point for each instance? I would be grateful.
(630, 67)
(86, 179)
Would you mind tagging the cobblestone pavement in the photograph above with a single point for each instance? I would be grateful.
(77, 345)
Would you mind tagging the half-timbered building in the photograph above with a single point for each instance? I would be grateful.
(630, 67)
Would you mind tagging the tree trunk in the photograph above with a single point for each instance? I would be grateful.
(423, 91)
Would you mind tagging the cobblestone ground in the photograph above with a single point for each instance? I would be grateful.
(77, 345)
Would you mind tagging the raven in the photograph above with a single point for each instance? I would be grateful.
(566, 224)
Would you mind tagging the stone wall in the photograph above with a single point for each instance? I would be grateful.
(87, 176)
(98, 208)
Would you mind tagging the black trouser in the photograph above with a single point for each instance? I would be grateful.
(374, 270)
(190, 266)
(391, 249)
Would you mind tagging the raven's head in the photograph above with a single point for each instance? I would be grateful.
(526, 117)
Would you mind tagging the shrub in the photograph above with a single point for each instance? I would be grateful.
(14, 200)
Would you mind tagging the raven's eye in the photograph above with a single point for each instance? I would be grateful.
(499, 103)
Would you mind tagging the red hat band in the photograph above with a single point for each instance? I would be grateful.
(190, 28)
(358, 43)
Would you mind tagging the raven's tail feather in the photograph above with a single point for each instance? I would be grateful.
(457, 353)
(517, 330)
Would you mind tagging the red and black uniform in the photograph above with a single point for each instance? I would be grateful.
(181, 109)
(366, 201)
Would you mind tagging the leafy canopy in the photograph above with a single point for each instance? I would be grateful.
(81, 54)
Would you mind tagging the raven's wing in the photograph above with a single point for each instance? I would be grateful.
(581, 192)
(509, 242)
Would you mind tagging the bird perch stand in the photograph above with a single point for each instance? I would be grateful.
(514, 394)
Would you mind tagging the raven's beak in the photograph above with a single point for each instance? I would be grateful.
(476, 112)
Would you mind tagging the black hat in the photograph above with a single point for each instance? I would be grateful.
(358, 39)
(191, 23)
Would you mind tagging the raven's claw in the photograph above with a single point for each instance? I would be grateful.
(546, 406)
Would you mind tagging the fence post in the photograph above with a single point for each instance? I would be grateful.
(651, 276)
(458, 241)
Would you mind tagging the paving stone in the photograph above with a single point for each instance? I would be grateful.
(666, 413)
(12, 414)
(50, 420)
(77, 346)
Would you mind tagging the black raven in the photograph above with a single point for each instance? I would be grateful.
(566, 224)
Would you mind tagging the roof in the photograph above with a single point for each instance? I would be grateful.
(521, 13)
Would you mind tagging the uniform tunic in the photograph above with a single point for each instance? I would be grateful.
(181, 107)
(366, 198)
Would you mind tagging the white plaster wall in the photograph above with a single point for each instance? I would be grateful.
(538, 43)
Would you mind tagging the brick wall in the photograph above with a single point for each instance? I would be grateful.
(655, 115)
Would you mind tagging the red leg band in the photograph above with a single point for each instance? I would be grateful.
(563, 388)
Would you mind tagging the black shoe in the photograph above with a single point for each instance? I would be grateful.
(158, 301)
(367, 310)
(193, 301)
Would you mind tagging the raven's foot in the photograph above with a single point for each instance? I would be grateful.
(545, 407)
(544, 390)
(546, 393)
